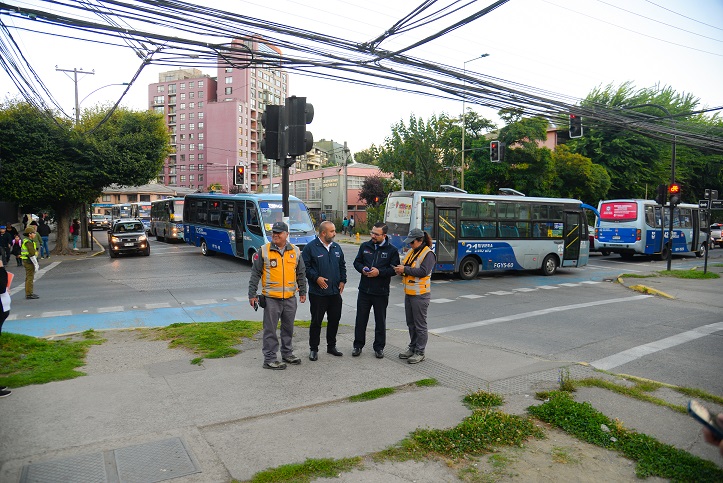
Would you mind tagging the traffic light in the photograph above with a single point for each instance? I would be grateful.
(575, 126)
(299, 114)
(711, 194)
(238, 176)
(661, 197)
(674, 192)
(376, 201)
(274, 143)
(495, 151)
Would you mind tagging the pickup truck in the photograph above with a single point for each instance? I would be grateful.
(716, 237)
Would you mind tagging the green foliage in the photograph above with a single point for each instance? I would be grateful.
(367, 156)
(373, 394)
(309, 470)
(578, 177)
(483, 399)
(26, 360)
(212, 340)
(426, 382)
(653, 457)
(689, 274)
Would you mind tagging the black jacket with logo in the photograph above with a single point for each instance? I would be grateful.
(384, 258)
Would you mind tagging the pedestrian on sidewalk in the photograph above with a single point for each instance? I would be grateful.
(6, 240)
(416, 272)
(16, 249)
(345, 226)
(28, 254)
(375, 261)
(281, 270)
(44, 232)
(4, 311)
(75, 231)
(326, 273)
(352, 223)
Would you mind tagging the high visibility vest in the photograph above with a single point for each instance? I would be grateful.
(24, 252)
(416, 285)
(278, 278)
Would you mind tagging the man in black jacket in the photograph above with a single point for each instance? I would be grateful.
(375, 261)
(326, 273)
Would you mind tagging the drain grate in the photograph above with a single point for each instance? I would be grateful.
(148, 462)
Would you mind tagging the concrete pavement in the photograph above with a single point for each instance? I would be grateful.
(144, 413)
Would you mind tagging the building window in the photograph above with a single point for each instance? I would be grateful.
(191, 95)
(182, 147)
(171, 90)
(200, 168)
(192, 126)
(183, 127)
(183, 117)
(183, 158)
(192, 147)
(200, 146)
(200, 158)
(183, 105)
(200, 135)
(228, 91)
(200, 177)
(158, 109)
(200, 125)
(183, 85)
(159, 99)
(229, 80)
(200, 104)
(183, 137)
(190, 136)
(200, 83)
(191, 157)
(191, 115)
(191, 84)
(191, 177)
(200, 115)
(132, 198)
(192, 167)
(182, 167)
(200, 94)
(183, 95)
(105, 198)
(161, 88)
(183, 178)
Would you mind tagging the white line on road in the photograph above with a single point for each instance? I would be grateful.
(629, 355)
(20, 284)
(472, 296)
(56, 313)
(158, 305)
(441, 301)
(116, 308)
(536, 313)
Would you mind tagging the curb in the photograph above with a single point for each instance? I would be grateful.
(644, 289)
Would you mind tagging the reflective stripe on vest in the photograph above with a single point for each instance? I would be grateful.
(416, 285)
(278, 277)
(24, 252)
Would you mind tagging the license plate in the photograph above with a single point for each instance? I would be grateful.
(128, 244)
(616, 238)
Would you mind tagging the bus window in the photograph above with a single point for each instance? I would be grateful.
(253, 223)
(227, 214)
(650, 216)
(428, 217)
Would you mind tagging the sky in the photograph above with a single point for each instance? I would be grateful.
(567, 47)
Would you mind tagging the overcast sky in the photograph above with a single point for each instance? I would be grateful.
(564, 46)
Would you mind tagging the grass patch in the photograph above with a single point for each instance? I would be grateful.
(637, 275)
(427, 382)
(211, 340)
(307, 323)
(26, 360)
(373, 394)
(483, 399)
(639, 391)
(689, 274)
(307, 471)
(561, 454)
(653, 457)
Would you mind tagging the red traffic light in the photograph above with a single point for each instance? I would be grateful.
(674, 189)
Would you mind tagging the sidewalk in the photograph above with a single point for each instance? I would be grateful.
(144, 413)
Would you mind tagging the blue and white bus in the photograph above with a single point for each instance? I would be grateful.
(240, 224)
(492, 232)
(640, 227)
(167, 219)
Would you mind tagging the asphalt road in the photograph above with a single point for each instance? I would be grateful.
(576, 315)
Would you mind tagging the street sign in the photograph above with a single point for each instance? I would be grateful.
(716, 204)
(703, 204)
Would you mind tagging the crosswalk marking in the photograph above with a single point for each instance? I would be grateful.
(472, 296)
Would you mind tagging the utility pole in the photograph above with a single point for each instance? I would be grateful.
(84, 216)
(345, 206)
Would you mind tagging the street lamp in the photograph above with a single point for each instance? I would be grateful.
(464, 121)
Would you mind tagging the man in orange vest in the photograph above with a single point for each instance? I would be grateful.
(281, 270)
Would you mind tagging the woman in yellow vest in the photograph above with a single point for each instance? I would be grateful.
(416, 272)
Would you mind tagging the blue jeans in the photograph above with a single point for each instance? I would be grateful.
(44, 247)
(75, 241)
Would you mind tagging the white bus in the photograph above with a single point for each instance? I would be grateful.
(167, 219)
(492, 232)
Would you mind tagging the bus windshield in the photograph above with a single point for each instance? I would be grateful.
(299, 219)
(178, 211)
(398, 214)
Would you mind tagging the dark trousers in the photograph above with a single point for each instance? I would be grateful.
(29, 276)
(320, 305)
(415, 310)
(364, 303)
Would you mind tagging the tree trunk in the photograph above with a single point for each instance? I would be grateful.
(64, 214)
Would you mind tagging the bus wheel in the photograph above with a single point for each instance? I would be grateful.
(701, 253)
(204, 249)
(664, 252)
(469, 268)
(605, 253)
(549, 265)
(159, 237)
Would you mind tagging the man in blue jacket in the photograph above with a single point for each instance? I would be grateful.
(326, 273)
(375, 261)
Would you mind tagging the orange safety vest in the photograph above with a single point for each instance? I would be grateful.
(278, 278)
(416, 285)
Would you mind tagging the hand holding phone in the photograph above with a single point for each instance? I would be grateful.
(699, 412)
(367, 269)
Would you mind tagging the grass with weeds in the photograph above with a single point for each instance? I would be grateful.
(653, 457)
(483, 399)
(26, 360)
(637, 275)
(310, 469)
(639, 391)
(211, 340)
(427, 382)
(689, 274)
(373, 394)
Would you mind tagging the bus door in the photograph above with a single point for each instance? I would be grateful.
(575, 232)
(446, 245)
(239, 227)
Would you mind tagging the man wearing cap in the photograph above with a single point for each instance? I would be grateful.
(281, 270)
(375, 261)
(30, 261)
(326, 273)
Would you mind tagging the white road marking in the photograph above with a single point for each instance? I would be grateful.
(116, 308)
(472, 296)
(592, 282)
(501, 292)
(158, 305)
(525, 289)
(548, 287)
(441, 301)
(536, 313)
(205, 302)
(569, 284)
(56, 313)
(629, 355)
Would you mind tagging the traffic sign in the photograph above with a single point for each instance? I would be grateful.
(703, 204)
(716, 204)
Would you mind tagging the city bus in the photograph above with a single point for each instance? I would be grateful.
(240, 224)
(120, 211)
(640, 227)
(141, 210)
(492, 232)
(167, 219)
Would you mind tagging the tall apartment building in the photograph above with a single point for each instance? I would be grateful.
(215, 122)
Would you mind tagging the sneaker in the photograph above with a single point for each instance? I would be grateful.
(406, 354)
(3, 388)
(292, 359)
(75, 249)
(5, 393)
(416, 358)
(32, 296)
(275, 365)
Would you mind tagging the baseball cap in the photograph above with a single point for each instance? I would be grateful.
(279, 226)
(2, 226)
(413, 235)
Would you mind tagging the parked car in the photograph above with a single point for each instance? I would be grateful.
(99, 222)
(128, 236)
(716, 235)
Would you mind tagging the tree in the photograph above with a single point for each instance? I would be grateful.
(578, 177)
(367, 156)
(372, 191)
(49, 163)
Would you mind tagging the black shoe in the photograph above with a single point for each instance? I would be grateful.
(5, 393)
(32, 296)
(292, 359)
(356, 352)
(379, 354)
(334, 351)
(313, 355)
(3, 388)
